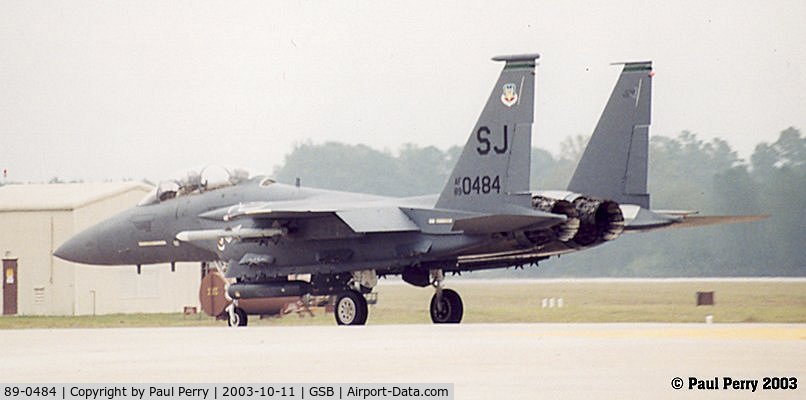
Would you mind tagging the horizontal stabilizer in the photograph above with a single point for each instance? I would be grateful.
(704, 220)
(646, 220)
(640, 219)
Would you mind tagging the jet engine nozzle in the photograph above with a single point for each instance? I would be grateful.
(600, 220)
(562, 232)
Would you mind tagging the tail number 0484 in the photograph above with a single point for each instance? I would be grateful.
(469, 185)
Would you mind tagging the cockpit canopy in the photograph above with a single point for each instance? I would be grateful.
(196, 181)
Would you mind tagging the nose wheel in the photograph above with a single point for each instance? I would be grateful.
(351, 308)
(236, 316)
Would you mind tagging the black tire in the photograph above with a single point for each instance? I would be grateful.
(351, 308)
(452, 308)
(238, 318)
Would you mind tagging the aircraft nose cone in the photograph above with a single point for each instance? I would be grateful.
(82, 248)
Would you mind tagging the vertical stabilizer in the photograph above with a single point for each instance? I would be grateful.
(493, 170)
(614, 164)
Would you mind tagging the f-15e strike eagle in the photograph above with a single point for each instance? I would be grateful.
(486, 217)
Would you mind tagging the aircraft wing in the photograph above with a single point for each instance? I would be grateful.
(377, 219)
(361, 218)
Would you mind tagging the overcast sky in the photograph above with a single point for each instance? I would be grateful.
(111, 90)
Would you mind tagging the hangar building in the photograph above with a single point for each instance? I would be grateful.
(36, 219)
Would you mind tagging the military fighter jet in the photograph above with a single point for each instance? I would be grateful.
(486, 216)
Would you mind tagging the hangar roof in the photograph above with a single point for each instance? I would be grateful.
(61, 196)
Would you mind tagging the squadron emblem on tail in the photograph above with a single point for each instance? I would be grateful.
(510, 95)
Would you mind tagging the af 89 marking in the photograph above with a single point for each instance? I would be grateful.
(469, 185)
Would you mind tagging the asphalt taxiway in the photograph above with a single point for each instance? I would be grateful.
(483, 361)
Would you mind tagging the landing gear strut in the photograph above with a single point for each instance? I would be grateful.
(446, 304)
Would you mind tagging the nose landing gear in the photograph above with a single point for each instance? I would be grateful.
(236, 316)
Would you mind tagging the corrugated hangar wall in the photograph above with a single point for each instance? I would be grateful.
(36, 219)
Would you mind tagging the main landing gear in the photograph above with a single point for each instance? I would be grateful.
(446, 304)
(351, 305)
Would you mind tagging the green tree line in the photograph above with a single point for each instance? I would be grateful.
(686, 173)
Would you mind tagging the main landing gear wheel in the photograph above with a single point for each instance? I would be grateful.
(351, 308)
(446, 307)
(237, 318)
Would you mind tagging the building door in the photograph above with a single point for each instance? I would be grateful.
(9, 286)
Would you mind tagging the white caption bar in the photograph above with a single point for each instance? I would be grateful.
(286, 391)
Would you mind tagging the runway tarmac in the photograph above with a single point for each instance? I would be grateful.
(483, 361)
